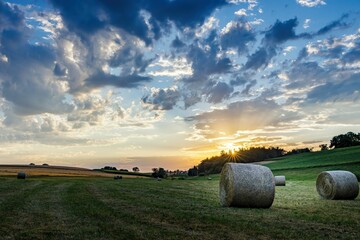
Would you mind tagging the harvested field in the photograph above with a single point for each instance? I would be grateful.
(101, 208)
(53, 171)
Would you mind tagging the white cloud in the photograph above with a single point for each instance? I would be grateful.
(288, 49)
(307, 23)
(3, 58)
(211, 23)
(241, 12)
(177, 67)
(257, 21)
(310, 3)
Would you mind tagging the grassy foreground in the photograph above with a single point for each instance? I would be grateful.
(102, 208)
(143, 208)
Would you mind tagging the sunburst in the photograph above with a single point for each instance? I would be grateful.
(231, 154)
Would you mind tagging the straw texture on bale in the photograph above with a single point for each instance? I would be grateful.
(337, 185)
(280, 181)
(21, 175)
(246, 185)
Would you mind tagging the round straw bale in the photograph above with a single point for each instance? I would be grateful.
(337, 185)
(280, 181)
(21, 175)
(246, 185)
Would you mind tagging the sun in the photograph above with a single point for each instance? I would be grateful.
(231, 154)
(229, 147)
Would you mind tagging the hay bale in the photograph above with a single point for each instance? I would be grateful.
(280, 180)
(337, 185)
(246, 185)
(21, 175)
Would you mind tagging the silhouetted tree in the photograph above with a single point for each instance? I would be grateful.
(109, 168)
(159, 173)
(193, 171)
(253, 154)
(136, 169)
(299, 150)
(323, 147)
(345, 140)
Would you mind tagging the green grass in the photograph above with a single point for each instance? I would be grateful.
(143, 208)
(98, 208)
(340, 156)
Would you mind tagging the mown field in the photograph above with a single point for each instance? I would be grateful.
(103, 208)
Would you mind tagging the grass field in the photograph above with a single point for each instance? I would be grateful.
(102, 208)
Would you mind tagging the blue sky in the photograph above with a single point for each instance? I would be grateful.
(168, 83)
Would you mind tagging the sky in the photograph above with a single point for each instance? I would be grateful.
(167, 83)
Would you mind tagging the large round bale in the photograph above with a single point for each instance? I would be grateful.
(21, 175)
(337, 185)
(246, 185)
(280, 180)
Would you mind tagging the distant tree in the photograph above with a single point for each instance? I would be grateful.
(45, 164)
(136, 169)
(323, 147)
(193, 171)
(245, 155)
(345, 140)
(109, 168)
(32, 164)
(159, 173)
(299, 150)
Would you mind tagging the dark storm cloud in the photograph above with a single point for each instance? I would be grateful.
(307, 74)
(261, 58)
(144, 19)
(284, 31)
(10, 17)
(177, 43)
(248, 87)
(27, 74)
(218, 92)
(163, 99)
(238, 36)
(281, 32)
(59, 70)
(353, 55)
(339, 23)
(101, 79)
(346, 90)
(206, 64)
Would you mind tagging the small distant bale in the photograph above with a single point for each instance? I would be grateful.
(21, 175)
(280, 181)
(336, 185)
(117, 177)
(246, 185)
(209, 178)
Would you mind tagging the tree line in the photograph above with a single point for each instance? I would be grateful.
(214, 164)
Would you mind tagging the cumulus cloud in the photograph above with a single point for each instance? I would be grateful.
(29, 91)
(339, 23)
(306, 23)
(282, 32)
(243, 115)
(241, 12)
(345, 90)
(142, 19)
(237, 34)
(310, 3)
(218, 92)
(162, 99)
